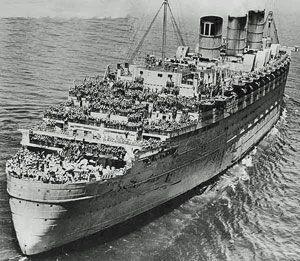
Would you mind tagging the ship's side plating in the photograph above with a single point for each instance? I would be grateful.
(49, 215)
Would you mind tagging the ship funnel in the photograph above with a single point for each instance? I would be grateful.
(210, 38)
(236, 35)
(256, 23)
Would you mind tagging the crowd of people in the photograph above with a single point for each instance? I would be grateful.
(123, 99)
(55, 169)
(129, 97)
(135, 121)
(121, 139)
(74, 150)
(67, 113)
(89, 88)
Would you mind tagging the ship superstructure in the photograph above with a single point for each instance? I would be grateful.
(146, 132)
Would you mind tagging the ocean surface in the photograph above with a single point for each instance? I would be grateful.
(252, 212)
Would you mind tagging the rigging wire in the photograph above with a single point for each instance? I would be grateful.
(144, 36)
(176, 26)
(275, 32)
(134, 36)
(181, 22)
(176, 35)
(274, 7)
(277, 12)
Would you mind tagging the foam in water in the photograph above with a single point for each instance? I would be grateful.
(247, 161)
(254, 151)
(232, 178)
(274, 131)
(284, 114)
(237, 173)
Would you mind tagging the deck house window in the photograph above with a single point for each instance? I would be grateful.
(207, 29)
(202, 28)
(212, 29)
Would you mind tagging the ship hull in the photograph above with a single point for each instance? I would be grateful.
(45, 218)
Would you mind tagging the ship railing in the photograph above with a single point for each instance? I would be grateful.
(91, 138)
(103, 139)
(189, 128)
(84, 131)
(52, 130)
(79, 176)
(147, 153)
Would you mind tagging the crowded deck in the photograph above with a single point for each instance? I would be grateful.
(55, 168)
(106, 124)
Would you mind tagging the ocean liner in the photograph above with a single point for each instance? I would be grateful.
(147, 132)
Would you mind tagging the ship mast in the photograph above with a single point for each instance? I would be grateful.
(164, 42)
(166, 6)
